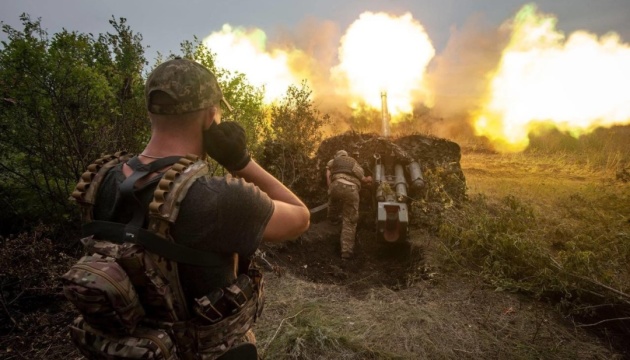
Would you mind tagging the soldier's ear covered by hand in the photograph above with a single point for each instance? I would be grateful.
(227, 144)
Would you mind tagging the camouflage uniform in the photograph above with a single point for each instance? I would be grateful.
(139, 304)
(343, 198)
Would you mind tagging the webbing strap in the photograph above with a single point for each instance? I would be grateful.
(119, 233)
(127, 187)
(134, 233)
(141, 170)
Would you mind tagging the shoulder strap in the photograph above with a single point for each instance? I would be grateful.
(171, 190)
(128, 186)
(163, 212)
(141, 170)
(164, 209)
(87, 187)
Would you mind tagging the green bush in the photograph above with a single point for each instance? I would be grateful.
(66, 100)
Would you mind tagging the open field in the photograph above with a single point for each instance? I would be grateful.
(441, 304)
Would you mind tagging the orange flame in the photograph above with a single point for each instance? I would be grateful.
(245, 51)
(381, 52)
(576, 84)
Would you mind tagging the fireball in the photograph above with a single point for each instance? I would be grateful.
(576, 84)
(245, 51)
(383, 53)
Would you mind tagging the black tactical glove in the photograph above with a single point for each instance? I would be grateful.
(227, 144)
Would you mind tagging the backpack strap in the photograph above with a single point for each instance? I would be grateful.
(179, 180)
(163, 212)
(128, 186)
(170, 192)
(87, 187)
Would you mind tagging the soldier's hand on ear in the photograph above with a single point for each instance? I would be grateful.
(227, 144)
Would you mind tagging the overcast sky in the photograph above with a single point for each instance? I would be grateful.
(165, 24)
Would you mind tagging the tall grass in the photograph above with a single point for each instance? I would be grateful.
(604, 150)
(565, 236)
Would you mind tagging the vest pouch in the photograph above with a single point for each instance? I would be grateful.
(212, 340)
(154, 290)
(102, 292)
(143, 343)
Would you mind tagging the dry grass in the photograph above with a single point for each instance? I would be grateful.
(456, 318)
(540, 249)
(569, 206)
(550, 227)
(537, 226)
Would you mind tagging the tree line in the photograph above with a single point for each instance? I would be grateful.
(69, 97)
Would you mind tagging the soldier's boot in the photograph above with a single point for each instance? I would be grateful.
(347, 249)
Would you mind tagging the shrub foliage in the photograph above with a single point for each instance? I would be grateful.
(65, 100)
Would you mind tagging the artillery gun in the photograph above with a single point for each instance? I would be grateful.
(390, 191)
(414, 178)
(390, 196)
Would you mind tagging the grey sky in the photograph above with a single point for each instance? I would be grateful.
(165, 24)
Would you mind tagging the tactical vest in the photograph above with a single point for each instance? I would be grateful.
(127, 287)
(344, 165)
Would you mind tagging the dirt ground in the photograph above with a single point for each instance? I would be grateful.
(470, 320)
(315, 257)
(473, 319)
(388, 302)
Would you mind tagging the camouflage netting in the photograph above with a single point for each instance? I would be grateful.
(445, 184)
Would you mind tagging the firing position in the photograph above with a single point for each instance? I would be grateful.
(344, 177)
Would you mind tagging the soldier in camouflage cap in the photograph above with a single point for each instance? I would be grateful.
(223, 215)
(189, 86)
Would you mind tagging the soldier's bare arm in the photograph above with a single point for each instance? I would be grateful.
(290, 217)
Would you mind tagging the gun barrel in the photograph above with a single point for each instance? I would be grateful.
(415, 174)
(401, 183)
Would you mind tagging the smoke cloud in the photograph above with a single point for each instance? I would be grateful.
(381, 52)
(459, 76)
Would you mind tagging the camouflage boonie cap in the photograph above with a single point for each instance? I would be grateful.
(190, 85)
